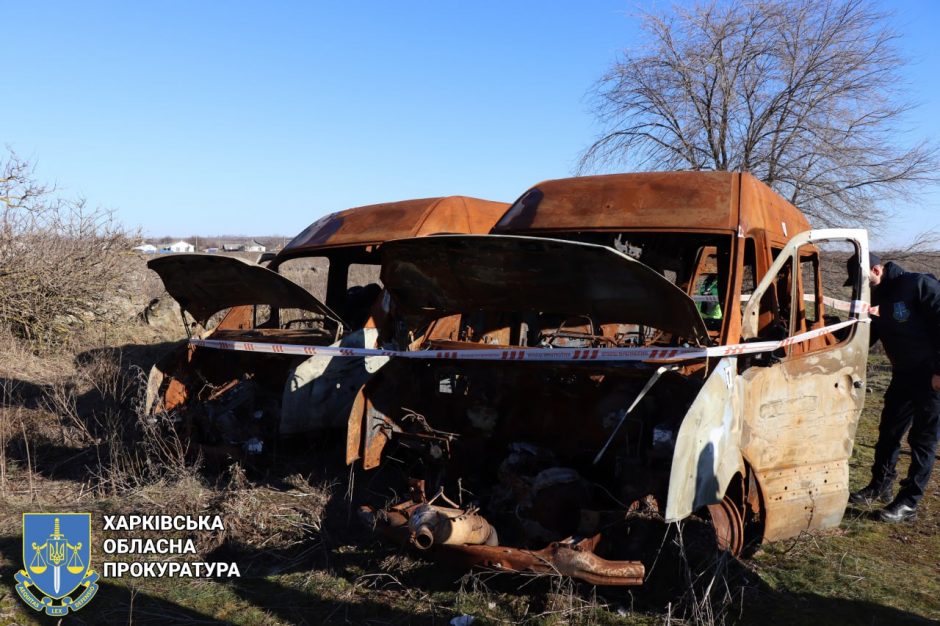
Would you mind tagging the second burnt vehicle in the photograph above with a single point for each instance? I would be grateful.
(322, 288)
(558, 467)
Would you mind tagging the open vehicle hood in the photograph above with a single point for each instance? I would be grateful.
(205, 284)
(449, 274)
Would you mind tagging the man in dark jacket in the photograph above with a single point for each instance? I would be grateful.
(908, 325)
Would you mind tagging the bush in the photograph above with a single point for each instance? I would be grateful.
(60, 261)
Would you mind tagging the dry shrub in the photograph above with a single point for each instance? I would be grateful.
(60, 261)
(132, 449)
(308, 272)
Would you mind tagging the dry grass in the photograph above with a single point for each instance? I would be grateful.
(260, 517)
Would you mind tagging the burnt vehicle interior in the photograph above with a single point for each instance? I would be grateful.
(565, 467)
(542, 454)
(322, 289)
(231, 403)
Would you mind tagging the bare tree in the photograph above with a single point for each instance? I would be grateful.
(804, 94)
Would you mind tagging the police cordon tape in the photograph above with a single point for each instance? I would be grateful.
(832, 303)
(529, 354)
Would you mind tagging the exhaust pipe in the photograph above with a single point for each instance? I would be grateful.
(431, 524)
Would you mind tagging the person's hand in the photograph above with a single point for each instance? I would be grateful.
(935, 382)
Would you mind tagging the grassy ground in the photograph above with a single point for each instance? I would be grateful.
(304, 558)
(865, 571)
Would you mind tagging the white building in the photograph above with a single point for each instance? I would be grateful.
(181, 246)
(255, 246)
(145, 248)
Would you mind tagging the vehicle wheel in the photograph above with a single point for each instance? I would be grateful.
(728, 525)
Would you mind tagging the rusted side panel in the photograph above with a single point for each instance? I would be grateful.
(165, 392)
(376, 425)
(800, 418)
(804, 497)
(377, 223)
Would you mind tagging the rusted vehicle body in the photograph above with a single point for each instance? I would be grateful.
(231, 403)
(558, 466)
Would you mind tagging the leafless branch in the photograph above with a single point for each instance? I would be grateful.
(60, 261)
(804, 94)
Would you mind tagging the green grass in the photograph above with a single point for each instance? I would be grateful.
(866, 571)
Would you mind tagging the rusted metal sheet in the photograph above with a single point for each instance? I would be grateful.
(354, 427)
(766, 212)
(679, 201)
(800, 415)
(707, 454)
(658, 200)
(377, 223)
(204, 284)
(573, 559)
(237, 318)
(450, 274)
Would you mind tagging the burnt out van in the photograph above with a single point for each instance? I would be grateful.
(323, 288)
(618, 350)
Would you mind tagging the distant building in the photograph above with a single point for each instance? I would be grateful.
(211, 250)
(180, 246)
(256, 246)
(145, 248)
(233, 247)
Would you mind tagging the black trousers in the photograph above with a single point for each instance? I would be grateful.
(909, 403)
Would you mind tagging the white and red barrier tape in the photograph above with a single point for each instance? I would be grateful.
(528, 354)
(832, 303)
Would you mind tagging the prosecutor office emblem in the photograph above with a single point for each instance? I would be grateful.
(901, 312)
(56, 562)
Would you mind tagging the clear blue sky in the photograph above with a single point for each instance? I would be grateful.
(257, 118)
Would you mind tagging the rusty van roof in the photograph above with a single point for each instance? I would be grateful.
(681, 201)
(377, 223)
